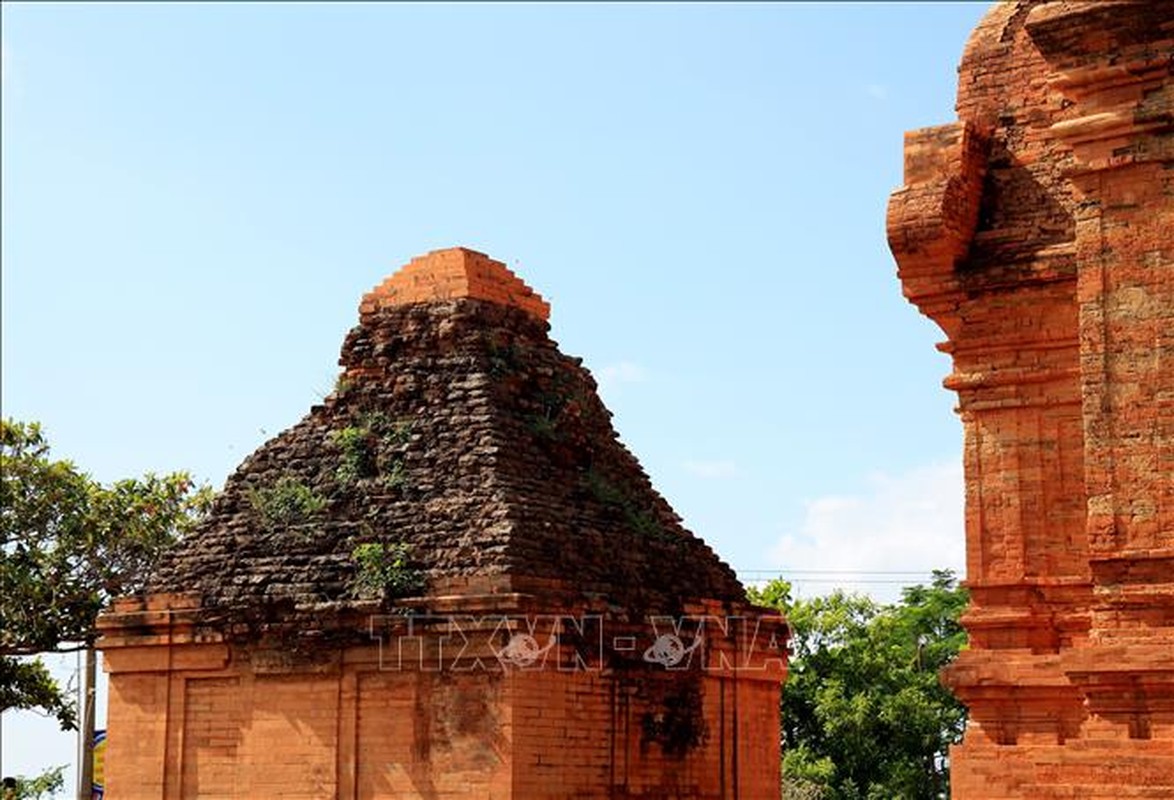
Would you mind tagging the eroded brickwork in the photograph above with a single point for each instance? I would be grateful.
(1036, 231)
(458, 429)
(522, 644)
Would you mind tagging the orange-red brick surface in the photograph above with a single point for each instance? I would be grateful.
(1038, 232)
(191, 716)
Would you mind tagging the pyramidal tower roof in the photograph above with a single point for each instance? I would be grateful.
(464, 449)
(451, 273)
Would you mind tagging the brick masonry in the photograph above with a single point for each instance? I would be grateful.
(531, 655)
(1036, 232)
(507, 471)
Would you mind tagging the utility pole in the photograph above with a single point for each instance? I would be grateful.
(85, 773)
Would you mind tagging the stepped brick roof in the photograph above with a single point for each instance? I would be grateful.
(460, 438)
(455, 272)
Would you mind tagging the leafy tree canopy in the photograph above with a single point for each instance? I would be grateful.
(864, 714)
(68, 545)
(47, 784)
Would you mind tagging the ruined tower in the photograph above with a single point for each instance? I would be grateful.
(449, 580)
(1038, 233)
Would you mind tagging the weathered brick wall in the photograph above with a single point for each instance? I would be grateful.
(1036, 232)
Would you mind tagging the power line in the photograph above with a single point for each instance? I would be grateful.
(878, 577)
(834, 582)
(785, 571)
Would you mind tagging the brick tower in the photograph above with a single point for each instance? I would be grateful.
(449, 580)
(1038, 232)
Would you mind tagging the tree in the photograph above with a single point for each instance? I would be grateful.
(68, 545)
(28, 684)
(47, 784)
(864, 714)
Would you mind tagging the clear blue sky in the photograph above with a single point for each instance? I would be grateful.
(196, 196)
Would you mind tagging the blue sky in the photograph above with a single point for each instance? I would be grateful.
(196, 196)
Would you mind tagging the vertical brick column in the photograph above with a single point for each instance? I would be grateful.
(1113, 62)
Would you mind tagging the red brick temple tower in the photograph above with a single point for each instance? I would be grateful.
(450, 580)
(1038, 233)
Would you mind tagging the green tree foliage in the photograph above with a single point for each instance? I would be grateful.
(864, 714)
(47, 784)
(25, 683)
(69, 544)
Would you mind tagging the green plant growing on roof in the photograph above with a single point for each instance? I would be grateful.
(640, 520)
(503, 359)
(396, 476)
(364, 447)
(603, 489)
(357, 455)
(643, 522)
(545, 424)
(400, 433)
(286, 502)
(542, 426)
(386, 570)
(397, 432)
(375, 421)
